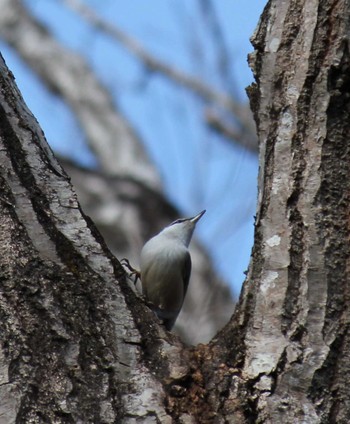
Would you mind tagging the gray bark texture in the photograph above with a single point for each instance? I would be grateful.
(77, 343)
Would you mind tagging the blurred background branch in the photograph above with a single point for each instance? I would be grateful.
(245, 134)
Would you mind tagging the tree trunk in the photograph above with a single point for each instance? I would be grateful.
(294, 306)
(78, 345)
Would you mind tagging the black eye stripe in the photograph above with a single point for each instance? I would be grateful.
(178, 221)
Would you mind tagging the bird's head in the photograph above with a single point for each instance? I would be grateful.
(183, 228)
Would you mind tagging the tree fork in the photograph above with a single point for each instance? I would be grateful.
(78, 344)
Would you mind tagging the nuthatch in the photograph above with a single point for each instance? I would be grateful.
(166, 268)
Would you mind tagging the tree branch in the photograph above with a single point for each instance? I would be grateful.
(241, 113)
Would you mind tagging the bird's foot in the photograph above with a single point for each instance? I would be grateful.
(132, 271)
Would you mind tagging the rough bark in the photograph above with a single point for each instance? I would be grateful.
(70, 348)
(78, 344)
(294, 313)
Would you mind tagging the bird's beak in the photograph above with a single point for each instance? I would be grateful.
(197, 217)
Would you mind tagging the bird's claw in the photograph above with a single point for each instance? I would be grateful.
(132, 271)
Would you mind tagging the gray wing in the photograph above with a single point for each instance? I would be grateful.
(186, 271)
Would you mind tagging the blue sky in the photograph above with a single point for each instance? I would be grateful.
(199, 169)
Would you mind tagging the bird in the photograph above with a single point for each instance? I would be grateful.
(166, 268)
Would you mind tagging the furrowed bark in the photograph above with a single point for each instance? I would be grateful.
(293, 318)
(71, 348)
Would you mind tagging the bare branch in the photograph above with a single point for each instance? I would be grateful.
(198, 87)
(220, 126)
